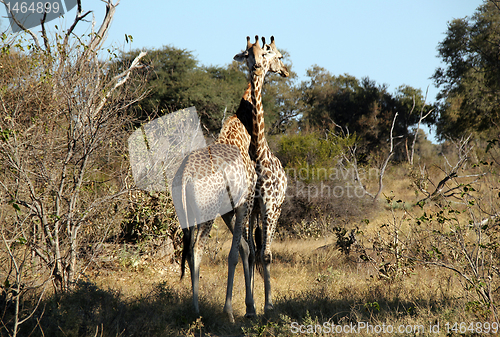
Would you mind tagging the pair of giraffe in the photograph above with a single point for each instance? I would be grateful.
(263, 174)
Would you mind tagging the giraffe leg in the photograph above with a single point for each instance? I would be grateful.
(228, 220)
(247, 253)
(268, 224)
(250, 303)
(232, 260)
(195, 260)
(194, 269)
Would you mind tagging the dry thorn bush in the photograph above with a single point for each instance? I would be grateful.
(61, 148)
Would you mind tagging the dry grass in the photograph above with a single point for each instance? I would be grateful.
(313, 283)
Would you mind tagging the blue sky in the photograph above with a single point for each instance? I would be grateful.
(391, 41)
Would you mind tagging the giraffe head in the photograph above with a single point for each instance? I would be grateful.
(261, 60)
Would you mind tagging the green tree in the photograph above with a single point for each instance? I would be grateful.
(312, 149)
(282, 99)
(360, 106)
(470, 79)
(175, 81)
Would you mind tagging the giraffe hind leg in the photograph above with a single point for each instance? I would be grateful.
(258, 247)
(197, 247)
(233, 260)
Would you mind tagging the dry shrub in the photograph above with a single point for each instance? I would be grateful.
(316, 208)
(62, 145)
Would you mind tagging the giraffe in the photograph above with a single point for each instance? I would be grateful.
(271, 178)
(236, 131)
(203, 177)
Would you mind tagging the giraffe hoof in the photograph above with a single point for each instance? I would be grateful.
(250, 315)
(268, 308)
(230, 317)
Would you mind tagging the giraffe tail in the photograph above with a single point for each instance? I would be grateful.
(258, 251)
(186, 243)
(187, 230)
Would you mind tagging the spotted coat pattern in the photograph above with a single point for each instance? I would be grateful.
(200, 177)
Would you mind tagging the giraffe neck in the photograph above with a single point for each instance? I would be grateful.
(258, 139)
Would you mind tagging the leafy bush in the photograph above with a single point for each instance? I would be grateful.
(313, 152)
(152, 222)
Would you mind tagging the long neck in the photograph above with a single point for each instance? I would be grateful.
(258, 139)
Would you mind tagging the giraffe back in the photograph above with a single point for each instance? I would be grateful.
(234, 133)
(200, 186)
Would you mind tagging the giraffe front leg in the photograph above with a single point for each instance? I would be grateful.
(247, 253)
(268, 224)
(266, 258)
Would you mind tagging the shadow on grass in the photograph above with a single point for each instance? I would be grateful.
(92, 311)
(165, 311)
(313, 308)
(317, 306)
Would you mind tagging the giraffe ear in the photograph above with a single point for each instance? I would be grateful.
(241, 57)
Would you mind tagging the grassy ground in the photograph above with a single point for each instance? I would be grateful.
(317, 290)
(313, 285)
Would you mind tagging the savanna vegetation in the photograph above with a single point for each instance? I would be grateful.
(380, 226)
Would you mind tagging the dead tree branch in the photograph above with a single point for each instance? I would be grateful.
(420, 120)
(442, 187)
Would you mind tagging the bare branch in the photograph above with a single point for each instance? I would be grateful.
(79, 16)
(384, 165)
(420, 120)
(120, 79)
(354, 164)
(99, 38)
(44, 34)
(48, 160)
(463, 151)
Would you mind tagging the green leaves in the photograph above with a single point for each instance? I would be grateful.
(362, 106)
(470, 80)
(314, 153)
(175, 80)
(6, 134)
(491, 143)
